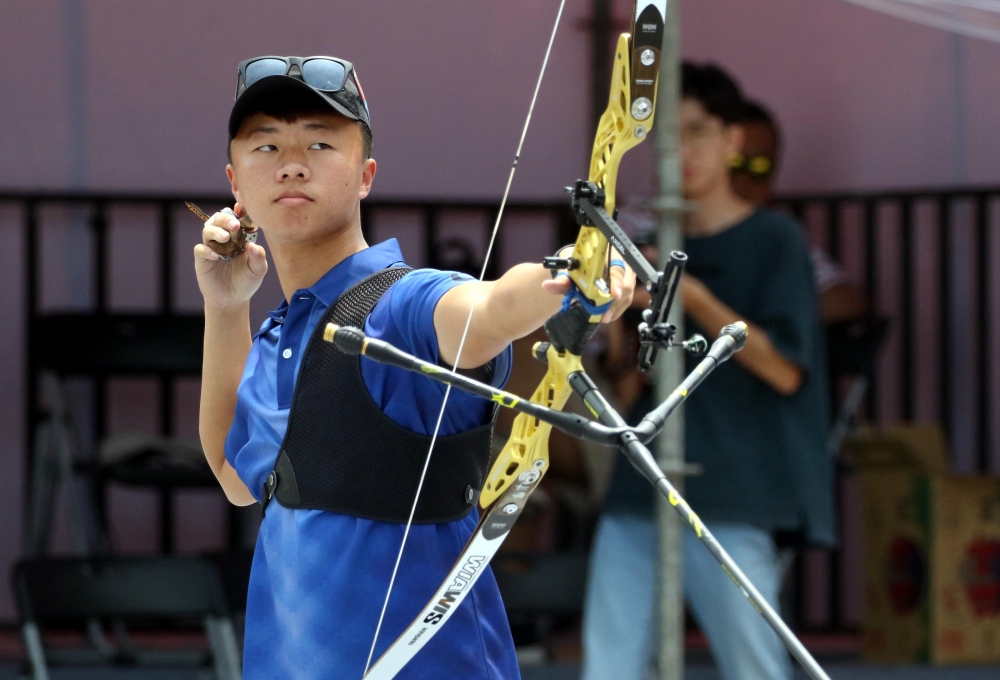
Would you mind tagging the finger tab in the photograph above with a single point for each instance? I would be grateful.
(236, 243)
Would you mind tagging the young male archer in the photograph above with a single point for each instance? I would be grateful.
(329, 443)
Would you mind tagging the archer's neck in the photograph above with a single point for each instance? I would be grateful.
(301, 263)
(716, 211)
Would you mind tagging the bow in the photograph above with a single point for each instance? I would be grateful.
(524, 459)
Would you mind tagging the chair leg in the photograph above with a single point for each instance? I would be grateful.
(36, 653)
(225, 650)
(43, 486)
(95, 633)
(847, 415)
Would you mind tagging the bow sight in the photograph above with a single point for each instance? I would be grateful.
(655, 333)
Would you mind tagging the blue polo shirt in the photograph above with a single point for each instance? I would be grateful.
(319, 578)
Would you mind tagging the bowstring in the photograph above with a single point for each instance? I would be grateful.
(465, 333)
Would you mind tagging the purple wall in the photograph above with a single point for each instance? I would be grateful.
(866, 100)
(448, 84)
(121, 95)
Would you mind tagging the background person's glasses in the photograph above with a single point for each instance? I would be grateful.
(699, 131)
(758, 167)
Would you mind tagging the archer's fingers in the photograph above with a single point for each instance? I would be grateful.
(203, 252)
(617, 308)
(256, 259)
(214, 233)
(557, 286)
(220, 227)
(224, 220)
(622, 284)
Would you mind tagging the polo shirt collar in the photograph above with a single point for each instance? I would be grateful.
(345, 274)
(352, 269)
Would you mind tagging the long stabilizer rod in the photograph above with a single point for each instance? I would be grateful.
(643, 461)
(611, 431)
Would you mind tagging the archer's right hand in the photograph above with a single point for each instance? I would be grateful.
(226, 283)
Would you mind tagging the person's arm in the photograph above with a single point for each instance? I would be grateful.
(227, 287)
(759, 356)
(507, 309)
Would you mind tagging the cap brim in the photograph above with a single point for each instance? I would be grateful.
(255, 97)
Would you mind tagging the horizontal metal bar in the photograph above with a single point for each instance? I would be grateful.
(890, 194)
(393, 202)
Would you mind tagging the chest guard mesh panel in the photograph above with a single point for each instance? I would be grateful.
(343, 454)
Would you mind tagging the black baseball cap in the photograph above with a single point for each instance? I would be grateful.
(333, 82)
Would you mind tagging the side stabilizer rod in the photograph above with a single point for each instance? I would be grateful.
(352, 340)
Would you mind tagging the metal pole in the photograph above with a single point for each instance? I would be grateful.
(670, 444)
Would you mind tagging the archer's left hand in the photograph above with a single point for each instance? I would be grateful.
(622, 284)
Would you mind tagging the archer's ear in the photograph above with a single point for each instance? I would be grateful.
(231, 174)
(367, 177)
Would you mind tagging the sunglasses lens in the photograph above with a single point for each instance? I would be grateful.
(324, 74)
(263, 68)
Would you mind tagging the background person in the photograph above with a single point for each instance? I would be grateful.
(754, 171)
(758, 427)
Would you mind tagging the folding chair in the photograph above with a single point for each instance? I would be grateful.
(99, 346)
(68, 592)
(55, 455)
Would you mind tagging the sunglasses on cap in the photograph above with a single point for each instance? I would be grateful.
(336, 80)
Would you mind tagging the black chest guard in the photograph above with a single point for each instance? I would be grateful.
(341, 453)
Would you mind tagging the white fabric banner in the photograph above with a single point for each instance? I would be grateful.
(976, 18)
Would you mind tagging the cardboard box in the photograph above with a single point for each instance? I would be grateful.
(965, 570)
(910, 447)
(932, 567)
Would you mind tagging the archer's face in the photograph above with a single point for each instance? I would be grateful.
(303, 180)
(707, 147)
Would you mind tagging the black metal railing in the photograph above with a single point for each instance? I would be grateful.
(907, 252)
(94, 209)
(951, 218)
(891, 244)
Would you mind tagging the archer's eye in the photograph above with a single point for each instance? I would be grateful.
(318, 146)
(267, 147)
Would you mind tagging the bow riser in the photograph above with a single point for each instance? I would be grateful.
(528, 446)
(617, 132)
(526, 454)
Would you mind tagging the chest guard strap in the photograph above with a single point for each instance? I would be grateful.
(341, 453)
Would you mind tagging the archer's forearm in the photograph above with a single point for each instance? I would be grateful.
(505, 310)
(516, 304)
(759, 356)
(227, 345)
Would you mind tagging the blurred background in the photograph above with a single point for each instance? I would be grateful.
(112, 113)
